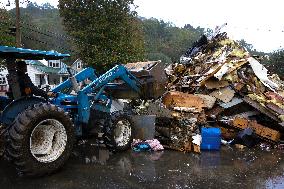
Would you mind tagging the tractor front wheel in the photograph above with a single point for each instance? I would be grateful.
(118, 133)
(40, 140)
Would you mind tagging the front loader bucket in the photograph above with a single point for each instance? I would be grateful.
(152, 77)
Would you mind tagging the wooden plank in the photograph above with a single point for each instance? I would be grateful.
(260, 130)
(265, 132)
(179, 99)
(262, 109)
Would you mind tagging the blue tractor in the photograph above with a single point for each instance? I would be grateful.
(40, 133)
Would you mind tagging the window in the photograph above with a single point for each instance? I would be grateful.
(79, 65)
(54, 64)
(2, 80)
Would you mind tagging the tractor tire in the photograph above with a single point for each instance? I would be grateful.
(41, 140)
(6, 155)
(118, 133)
(2, 145)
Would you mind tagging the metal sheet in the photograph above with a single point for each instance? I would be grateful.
(233, 102)
(29, 54)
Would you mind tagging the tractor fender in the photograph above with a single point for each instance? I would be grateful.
(17, 106)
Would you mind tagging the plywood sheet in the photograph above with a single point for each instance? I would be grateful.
(179, 99)
(223, 94)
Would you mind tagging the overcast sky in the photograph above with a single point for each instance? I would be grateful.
(259, 22)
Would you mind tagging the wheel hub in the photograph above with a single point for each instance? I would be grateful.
(48, 140)
(122, 132)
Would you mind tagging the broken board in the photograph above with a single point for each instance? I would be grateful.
(179, 99)
(223, 94)
(259, 129)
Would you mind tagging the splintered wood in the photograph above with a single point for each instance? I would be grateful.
(216, 84)
(183, 101)
(259, 129)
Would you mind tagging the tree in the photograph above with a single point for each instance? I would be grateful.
(163, 38)
(244, 44)
(158, 56)
(276, 62)
(6, 35)
(108, 30)
(42, 28)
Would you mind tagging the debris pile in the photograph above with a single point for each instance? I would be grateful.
(218, 83)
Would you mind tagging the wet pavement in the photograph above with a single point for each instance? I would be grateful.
(94, 167)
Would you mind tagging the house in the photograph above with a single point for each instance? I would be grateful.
(77, 65)
(44, 72)
(41, 72)
(3, 82)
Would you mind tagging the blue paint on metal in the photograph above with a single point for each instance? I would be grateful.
(83, 107)
(117, 72)
(91, 96)
(14, 108)
(29, 54)
(87, 73)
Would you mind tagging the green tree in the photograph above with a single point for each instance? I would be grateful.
(163, 38)
(247, 46)
(275, 63)
(41, 28)
(108, 30)
(6, 38)
(158, 56)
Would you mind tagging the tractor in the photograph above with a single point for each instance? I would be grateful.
(40, 133)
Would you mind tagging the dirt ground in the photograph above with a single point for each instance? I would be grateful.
(94, 167)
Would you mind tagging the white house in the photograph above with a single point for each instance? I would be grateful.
(3, 82)
(44, 72)
(41, 72)
(77, 65)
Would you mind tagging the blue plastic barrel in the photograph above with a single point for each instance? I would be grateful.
(211, 138)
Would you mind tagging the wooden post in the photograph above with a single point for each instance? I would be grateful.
(18, 31)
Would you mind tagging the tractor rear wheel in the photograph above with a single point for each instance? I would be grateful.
(41, 140)
(118, 133)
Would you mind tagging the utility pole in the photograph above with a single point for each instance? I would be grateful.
(18, 31)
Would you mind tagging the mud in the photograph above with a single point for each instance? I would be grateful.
(94, 167)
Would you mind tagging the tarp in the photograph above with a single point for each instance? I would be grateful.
(29, 54)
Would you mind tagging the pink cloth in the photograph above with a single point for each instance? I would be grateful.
(155, 144)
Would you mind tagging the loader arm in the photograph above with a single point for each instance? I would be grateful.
(87, 73)
(98, 86)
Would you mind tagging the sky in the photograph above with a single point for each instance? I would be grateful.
(259, 22)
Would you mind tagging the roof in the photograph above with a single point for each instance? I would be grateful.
(76, 61)
(48, 70)
(29, 54)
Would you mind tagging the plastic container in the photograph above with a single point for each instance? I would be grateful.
(211, 138)
(144, 126)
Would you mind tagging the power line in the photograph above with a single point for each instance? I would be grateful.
(37, 40)
(45, 43)
(46, 32)
(42, 33)
(54, 34)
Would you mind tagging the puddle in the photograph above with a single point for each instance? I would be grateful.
(92, 166)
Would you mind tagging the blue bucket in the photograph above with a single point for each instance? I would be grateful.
(211, 138)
